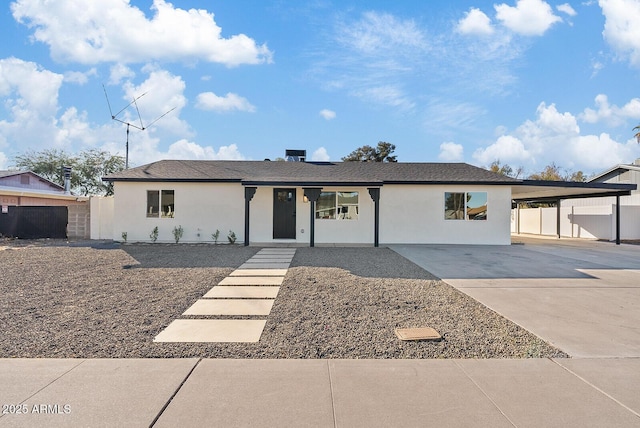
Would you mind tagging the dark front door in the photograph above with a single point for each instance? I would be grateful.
(284, 213)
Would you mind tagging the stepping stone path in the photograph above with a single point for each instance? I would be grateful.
(249, 290)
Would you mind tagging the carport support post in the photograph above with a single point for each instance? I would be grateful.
(248, 195)
(617, 219)
(312, 193)
(558, 204)
(375, 195)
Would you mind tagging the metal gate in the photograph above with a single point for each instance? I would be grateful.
(34, 222)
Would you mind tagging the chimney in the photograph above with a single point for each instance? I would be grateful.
(636, 162)
(67, 179)
(295, 155)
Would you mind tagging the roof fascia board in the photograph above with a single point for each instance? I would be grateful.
(581, 196)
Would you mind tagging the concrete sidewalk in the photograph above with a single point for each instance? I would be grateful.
(320, 393)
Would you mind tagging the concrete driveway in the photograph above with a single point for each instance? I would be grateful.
(581, 296)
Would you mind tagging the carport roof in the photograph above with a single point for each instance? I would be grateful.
(539, 190)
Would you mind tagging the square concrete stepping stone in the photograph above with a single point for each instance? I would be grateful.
(243, 291)
(277, 250)
(231, 307)
(259, 272)
(270, 260)
(252, 280)
(267, 265)
(212, 331)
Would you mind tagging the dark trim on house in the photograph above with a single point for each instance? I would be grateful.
(313, 194)
(374, 192)
(249, 192)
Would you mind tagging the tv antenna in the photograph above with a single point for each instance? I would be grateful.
(141, 127)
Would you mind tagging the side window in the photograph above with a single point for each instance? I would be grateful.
(160, 203)
(465, 205)
(153, 203)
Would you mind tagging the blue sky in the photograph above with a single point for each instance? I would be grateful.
(526, 82)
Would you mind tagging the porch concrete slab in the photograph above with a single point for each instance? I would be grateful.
(539, 392)
(230, 307)
(259, 272)
(252, 280)
(386, 393)
(277, 251)
(266, 265)
(243, 291)
(617, 377)
(98, 392)
(212, 331)
(582, 297)
(255, 393)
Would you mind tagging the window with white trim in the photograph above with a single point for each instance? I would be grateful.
(160, 203)
(465, 205)
(337, 206)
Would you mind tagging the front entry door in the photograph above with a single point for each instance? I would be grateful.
(284, 213)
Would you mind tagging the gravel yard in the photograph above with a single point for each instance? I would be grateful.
(89, 300)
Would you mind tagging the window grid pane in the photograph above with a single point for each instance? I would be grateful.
(326, 205)
(153, 203)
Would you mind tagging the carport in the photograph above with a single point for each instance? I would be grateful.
(540, 191)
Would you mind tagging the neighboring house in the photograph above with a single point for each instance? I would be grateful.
(593, 218)
(266, 202)
(28, 203)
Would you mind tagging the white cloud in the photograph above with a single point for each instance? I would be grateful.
(231, 101)
(120, 72)
(528, 17)
(612, 115)
(380, 32)
(451, 152)
(320, 155)
(621, 29)
(475, 22)
(555, 136)
(507, 149)
(328, 114)
(4, 162)
(389, 95)
(115, 31)
(78, 77)
(566, 8)
(184, 149)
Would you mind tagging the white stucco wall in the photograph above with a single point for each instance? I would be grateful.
(102, 217)
(200, 208)
(408, 214)
(415, 214)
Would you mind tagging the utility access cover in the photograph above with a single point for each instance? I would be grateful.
(417, 333)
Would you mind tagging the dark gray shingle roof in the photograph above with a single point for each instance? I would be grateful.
(310, 173)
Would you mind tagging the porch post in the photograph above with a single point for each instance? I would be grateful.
(312, 193)
(374, 192)
(248, 195)
(617, 219)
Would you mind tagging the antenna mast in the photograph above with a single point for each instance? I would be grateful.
(141, 127)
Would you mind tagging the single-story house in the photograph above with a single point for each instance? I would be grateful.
(32, 206)
(265, 202)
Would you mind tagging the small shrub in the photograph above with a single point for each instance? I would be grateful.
(215, 236)
(124, 237)
(231, 237)
(177, 233)
(154, 234)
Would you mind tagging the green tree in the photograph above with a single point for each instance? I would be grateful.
(505, 169)
(553, 172)
(87, 168)
(380, 153)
